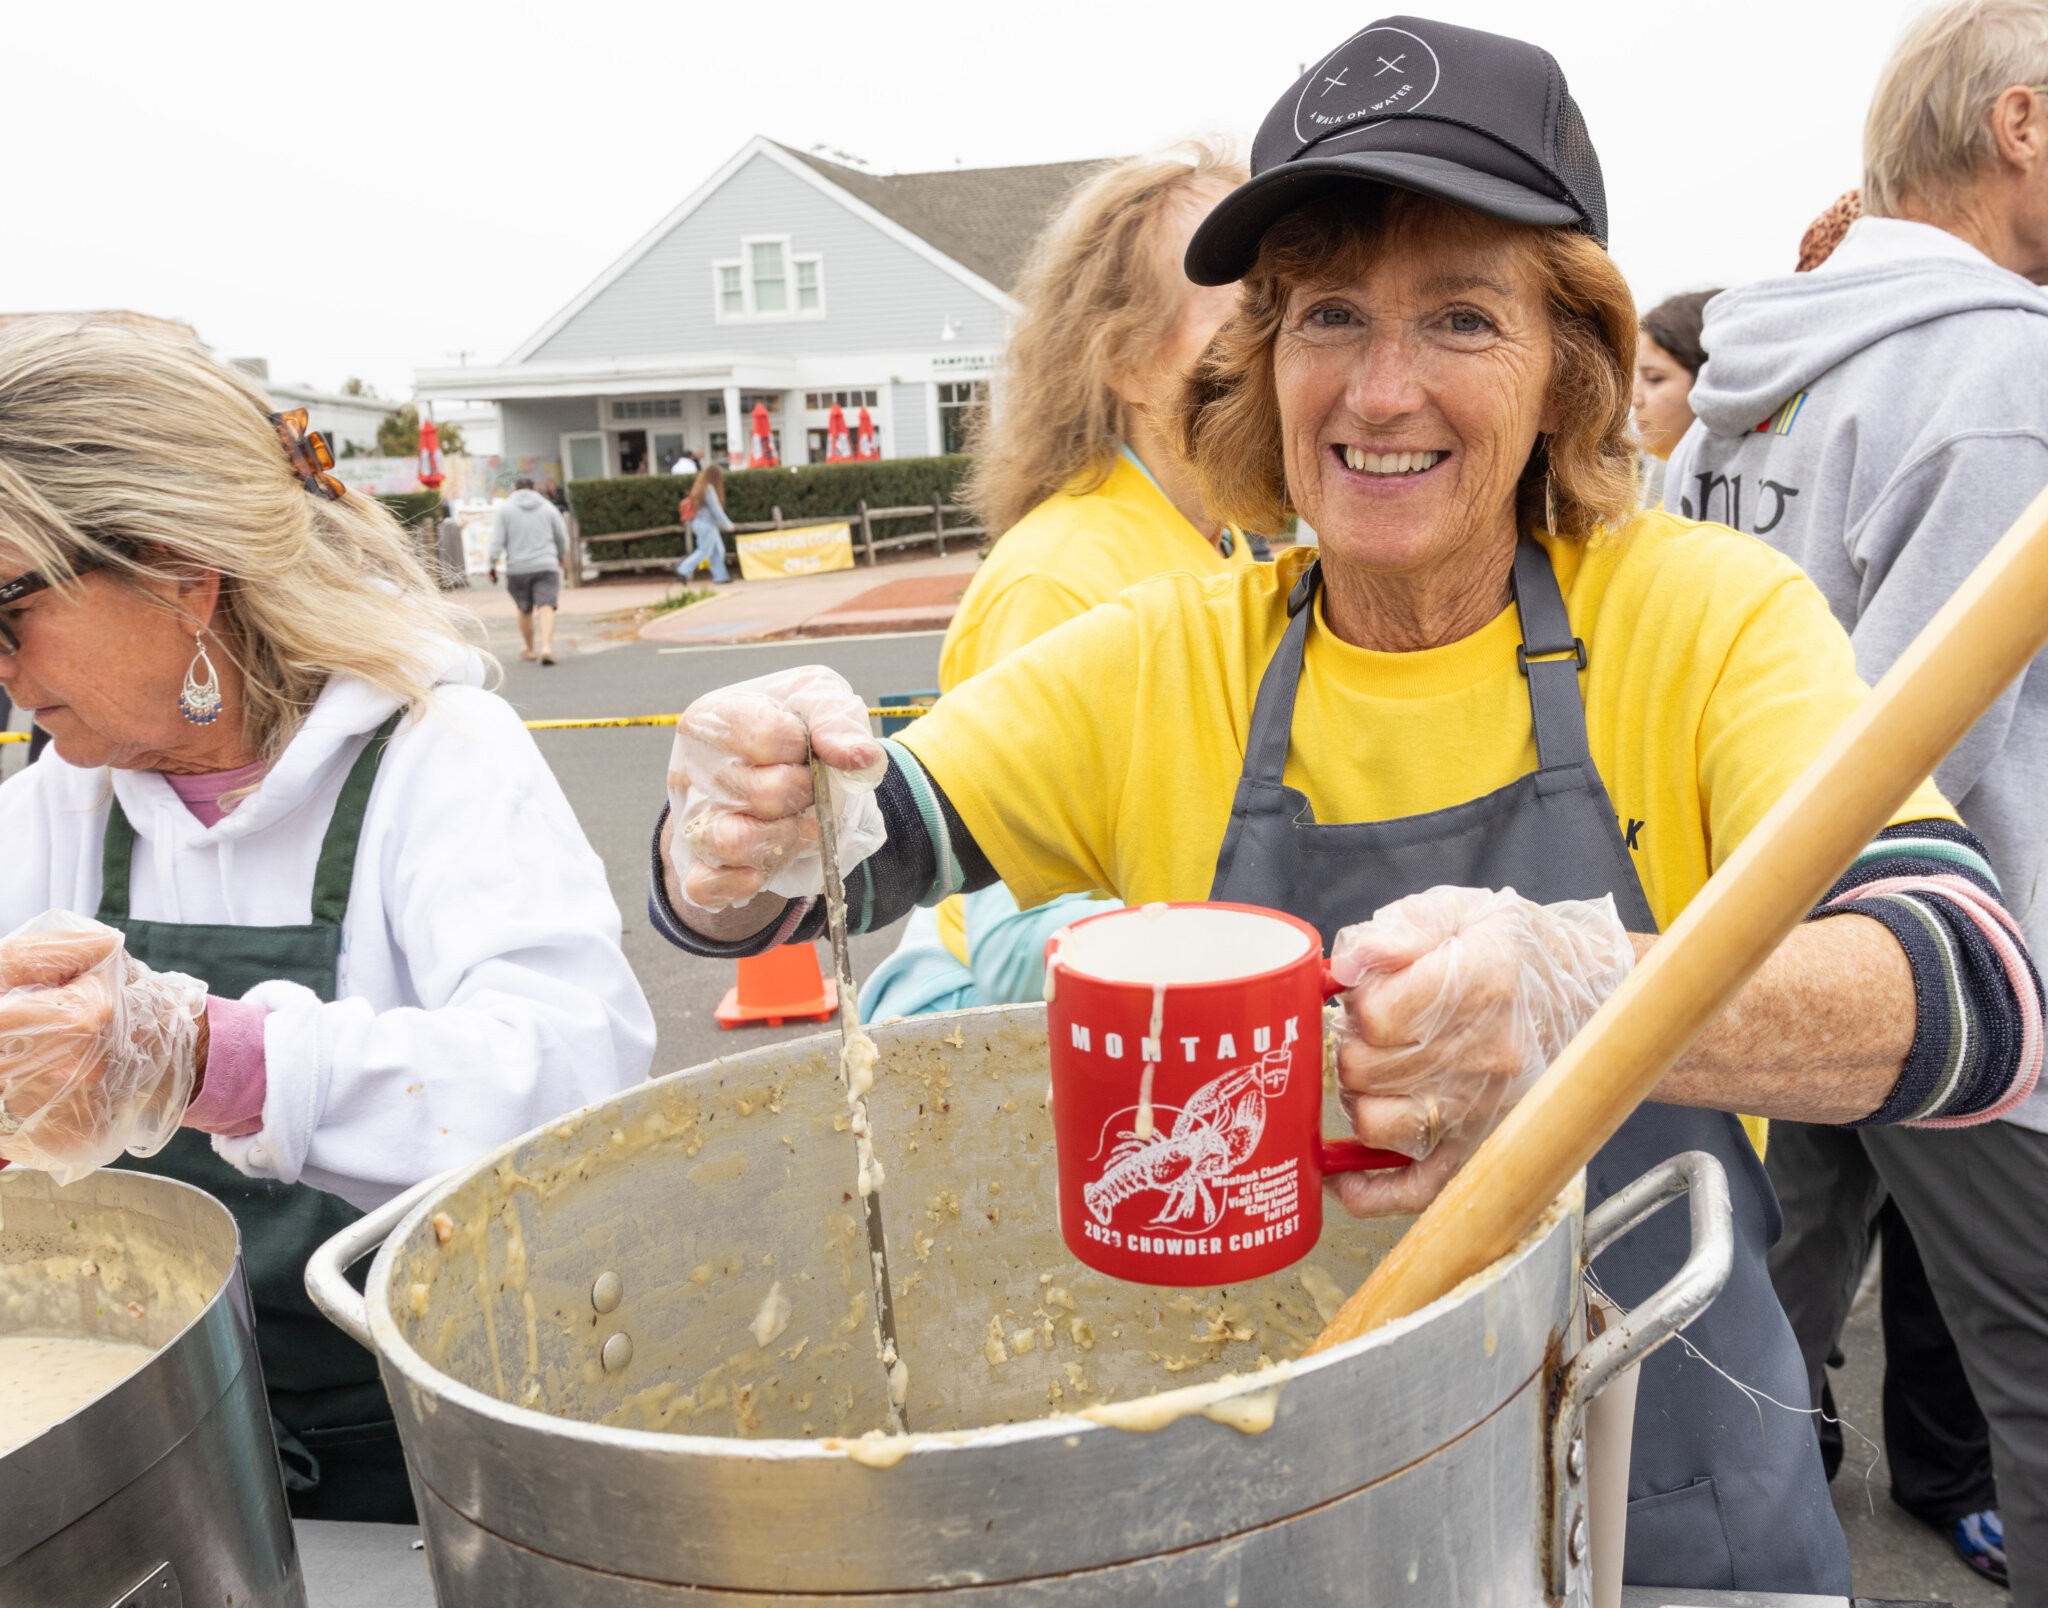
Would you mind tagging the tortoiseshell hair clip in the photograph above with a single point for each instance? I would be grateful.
(308, 454)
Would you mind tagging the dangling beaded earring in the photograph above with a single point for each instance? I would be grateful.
(199, 702)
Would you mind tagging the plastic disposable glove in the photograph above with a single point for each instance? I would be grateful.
(97, 1052)
(1458, 999)
(739, 787)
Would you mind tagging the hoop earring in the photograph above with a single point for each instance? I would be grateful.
(199, 701)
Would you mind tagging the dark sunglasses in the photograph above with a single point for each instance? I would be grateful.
(26, 586)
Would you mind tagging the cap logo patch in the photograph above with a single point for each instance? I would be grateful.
(1372, 75)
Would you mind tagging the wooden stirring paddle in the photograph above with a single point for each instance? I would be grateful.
(1983, 637)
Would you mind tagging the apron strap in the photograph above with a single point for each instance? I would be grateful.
(1551, 658)
(117, 861)
(1548, 655)
(1265, 748)
(337, 869)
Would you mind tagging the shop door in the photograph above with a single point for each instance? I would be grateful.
(585, 457)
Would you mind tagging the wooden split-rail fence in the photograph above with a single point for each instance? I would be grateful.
(863, 522)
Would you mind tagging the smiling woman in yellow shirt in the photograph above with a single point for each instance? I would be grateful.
(1498, 697)
(1067, 480)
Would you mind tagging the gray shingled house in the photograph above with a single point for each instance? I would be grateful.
(788, 280)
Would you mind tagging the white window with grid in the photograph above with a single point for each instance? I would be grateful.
(632, 410)
(768, 282)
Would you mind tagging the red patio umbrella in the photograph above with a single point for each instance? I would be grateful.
(760, 444)
(866, 448)
(838, 446)
(430, 456)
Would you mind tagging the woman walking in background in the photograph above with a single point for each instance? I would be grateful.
(703, 514)
(1668, 359)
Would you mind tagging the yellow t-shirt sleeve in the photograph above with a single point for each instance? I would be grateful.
(1786, 685)
(1021, 612)
(1033, 752)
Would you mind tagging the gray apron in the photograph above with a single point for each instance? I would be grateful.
(1720, 1494)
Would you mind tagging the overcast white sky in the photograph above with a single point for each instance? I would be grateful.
(374, 188)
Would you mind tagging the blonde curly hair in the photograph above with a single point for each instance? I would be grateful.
(1229, 421)
(1095, 305)
(132, 451)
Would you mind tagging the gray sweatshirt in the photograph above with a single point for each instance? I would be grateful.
(528, 534)
(1881, 421)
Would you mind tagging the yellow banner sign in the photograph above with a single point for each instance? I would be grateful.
(767, 555)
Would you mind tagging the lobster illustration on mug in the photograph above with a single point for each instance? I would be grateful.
(1215, 1134)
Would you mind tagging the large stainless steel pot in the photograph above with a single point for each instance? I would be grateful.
(565, 1330)
(165, 1490)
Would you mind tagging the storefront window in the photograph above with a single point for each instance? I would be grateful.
(960, 404)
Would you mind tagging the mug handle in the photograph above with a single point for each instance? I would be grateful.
(1349, 1155)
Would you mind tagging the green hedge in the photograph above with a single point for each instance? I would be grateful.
(410, 507)
(822, 491)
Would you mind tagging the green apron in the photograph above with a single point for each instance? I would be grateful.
(334, 1426)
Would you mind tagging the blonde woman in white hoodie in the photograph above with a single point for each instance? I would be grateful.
(299, 914)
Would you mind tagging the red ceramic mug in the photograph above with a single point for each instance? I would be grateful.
(1188, 1093)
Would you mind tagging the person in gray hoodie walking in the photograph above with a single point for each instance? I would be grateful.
(528, 534)
(1882, 420)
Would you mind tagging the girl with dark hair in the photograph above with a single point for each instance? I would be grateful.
(1668, 360)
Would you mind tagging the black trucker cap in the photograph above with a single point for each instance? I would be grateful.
(1473, 118)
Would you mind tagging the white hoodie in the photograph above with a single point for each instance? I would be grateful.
(482, 990)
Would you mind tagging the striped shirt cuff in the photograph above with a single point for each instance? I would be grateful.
(1978, 1029)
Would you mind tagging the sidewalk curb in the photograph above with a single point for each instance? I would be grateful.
(852, 622)
(873, 622)
(919, 595)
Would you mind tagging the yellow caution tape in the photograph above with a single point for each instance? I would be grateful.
(885, 712)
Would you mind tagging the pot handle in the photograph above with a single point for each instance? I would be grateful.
(1636, 1333)
(327, 1268)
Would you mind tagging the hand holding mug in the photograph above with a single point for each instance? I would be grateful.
(1457, 999)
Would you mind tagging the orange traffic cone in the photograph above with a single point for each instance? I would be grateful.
(784, 985)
